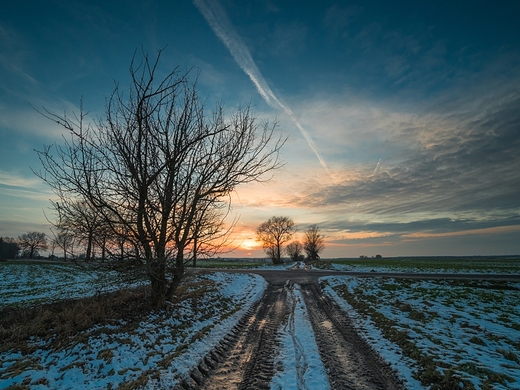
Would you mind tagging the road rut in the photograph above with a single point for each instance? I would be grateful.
(245, 357)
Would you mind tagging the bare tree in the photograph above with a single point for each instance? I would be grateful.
(152, 163)
(274, 233)
(79, 219)
(294, 250)
(210, 234)
(65, 241)
(313, 242)
(32, 242)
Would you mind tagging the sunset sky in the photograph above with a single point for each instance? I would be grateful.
(403, 117)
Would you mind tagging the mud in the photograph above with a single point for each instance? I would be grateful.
(245, 358)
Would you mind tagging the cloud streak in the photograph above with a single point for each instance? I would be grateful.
(224, 30)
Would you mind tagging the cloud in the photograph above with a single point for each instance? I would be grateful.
(18, 188)
(459, 160)
(30, 122)
(222, 27)
(13, 57)
(13, 180)
(337, 18)
(486, 231)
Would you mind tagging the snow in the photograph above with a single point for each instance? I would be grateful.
(28, 283)
(471, 329)
(454, 316)
(109, 356)
(298, 360)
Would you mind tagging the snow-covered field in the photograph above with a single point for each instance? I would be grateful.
(469, 331)
(154, 354)
(40, 282)
(462, 329)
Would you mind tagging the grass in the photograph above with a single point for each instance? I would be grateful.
(497, 264)
(114, 339)
(58, 322)
(456, 331)
(27, 282)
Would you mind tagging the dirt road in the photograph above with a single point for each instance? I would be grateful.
(245, 359)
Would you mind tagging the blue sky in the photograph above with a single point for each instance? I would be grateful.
(403, 117)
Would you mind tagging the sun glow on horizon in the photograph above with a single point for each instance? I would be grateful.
(249, 244)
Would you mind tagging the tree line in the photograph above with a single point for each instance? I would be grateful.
(278, 230)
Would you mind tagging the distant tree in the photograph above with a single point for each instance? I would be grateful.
(8, 248)
(80, 220)
(273, 234)
(379, 257)
(31, 243)
(153, 162)
(65, 241)
(313, 242)
(294, 250)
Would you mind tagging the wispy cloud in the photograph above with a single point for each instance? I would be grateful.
(462, 159)
(13, 180)
(486, 231)
(222, 27)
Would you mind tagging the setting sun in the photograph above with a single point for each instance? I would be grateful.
(249, 244)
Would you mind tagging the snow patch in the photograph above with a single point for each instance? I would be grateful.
(299, 360)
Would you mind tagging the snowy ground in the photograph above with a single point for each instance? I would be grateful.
(39, 282)
(298, 363)
(472, 331)
(162, 348)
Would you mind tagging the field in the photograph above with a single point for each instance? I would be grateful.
(34, 282)
(476, 264)
(439, 334)
(452, 331)
(154, 349)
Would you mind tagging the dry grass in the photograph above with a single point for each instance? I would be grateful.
(58, 323)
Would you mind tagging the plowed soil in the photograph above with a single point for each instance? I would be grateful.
(245, 358)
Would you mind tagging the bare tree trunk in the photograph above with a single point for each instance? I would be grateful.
(178, 273)
(195, 251)
(153, 163)
(88, 255)
(158, 283)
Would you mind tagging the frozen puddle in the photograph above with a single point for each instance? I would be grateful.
(298, 363)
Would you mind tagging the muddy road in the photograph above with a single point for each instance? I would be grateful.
(245, 359)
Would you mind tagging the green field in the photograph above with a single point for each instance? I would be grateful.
(474, 264)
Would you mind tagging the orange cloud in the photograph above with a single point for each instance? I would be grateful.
(493, 230)
(359, 235)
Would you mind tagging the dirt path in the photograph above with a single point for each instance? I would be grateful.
(350, 362)
(245, 359)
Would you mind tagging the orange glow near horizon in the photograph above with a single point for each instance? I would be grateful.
(493, 230)
(359, 235)
(249, 244)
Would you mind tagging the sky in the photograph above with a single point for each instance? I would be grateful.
(402, 118)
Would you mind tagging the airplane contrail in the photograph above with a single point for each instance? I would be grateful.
(224, 30)
(377, 166)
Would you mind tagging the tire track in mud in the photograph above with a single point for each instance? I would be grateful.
(350, 362)
(299, 350)
(244, 358)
